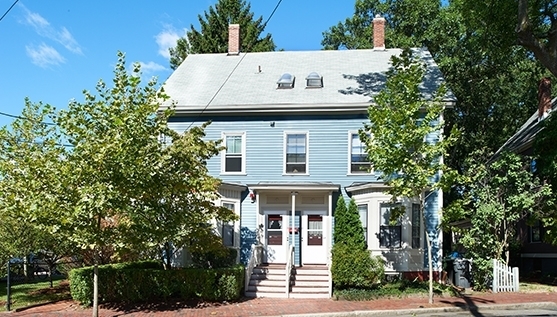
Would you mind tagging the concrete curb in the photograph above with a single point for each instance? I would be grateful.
(421, 311)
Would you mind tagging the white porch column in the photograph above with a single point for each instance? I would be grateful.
(329, 227)
(292, 222)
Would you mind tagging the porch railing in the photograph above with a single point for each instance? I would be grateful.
(505, 278)
(289, 261)
(254, 260)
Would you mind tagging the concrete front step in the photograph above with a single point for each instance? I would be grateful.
(299, 277)
(267, 288)
(310, 283)
(275, 271)
(267, 282)
(266, 294)
(309, 295)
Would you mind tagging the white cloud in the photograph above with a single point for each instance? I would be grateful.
(44, 29)
(44, 55)
(151, 67)
(167, 39)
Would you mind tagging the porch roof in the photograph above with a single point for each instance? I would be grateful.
(364, 185)
(293, 186)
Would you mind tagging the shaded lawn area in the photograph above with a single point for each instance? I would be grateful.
(34, 292)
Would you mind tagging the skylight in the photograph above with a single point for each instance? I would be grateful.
(286, 81)
(314, 80)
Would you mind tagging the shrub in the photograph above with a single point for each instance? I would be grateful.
(214, 258)
(348, 228)
(133, 282)
(355, 268)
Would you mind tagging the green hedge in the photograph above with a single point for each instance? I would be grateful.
(133, 282)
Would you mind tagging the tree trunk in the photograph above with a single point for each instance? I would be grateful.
(96, 285)
(428, 243)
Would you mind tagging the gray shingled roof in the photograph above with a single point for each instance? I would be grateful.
(522, 140)
(351, 77)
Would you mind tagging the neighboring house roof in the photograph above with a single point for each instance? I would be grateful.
(523, 139)
(213, 83)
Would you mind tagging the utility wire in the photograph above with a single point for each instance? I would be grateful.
(20, 117)
(9, 10)
(233, 70)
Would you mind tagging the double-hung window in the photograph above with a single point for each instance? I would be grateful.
(234, 158)
(362, 210)
(227, 228)
(296, 153)
(359, 162)
(389, 233)
(416, 231)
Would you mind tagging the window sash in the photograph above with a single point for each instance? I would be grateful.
(416, 228)
(296, 153)
(362, 210)
(390, 236)
(359, 162)
(234, 156)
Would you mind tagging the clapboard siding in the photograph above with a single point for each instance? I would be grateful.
(328, 153)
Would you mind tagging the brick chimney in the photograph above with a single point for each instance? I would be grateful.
(234, 39)
(378, 33)
(544, 98)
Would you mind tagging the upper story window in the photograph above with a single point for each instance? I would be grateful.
(359, 162)
(286, 81)
(296, 153)
(234, 158)
(314, 80)
(390, 235)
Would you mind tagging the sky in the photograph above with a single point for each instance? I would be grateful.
(51, 51)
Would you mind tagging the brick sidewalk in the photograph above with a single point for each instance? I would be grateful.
(274, 307)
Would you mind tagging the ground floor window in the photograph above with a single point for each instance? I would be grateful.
(389, 233)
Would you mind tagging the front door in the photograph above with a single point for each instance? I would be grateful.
(276, 238)
(314, 249)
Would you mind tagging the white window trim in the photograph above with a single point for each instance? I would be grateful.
(349, 167)
(219, 224)
(286, 133)
(223, 153)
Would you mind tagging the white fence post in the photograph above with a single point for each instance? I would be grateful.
(505, 278)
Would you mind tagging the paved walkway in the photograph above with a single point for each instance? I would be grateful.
(281, 307)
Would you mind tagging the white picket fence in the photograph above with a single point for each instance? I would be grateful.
(505, 278)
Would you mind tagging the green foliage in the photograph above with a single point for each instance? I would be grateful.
(348, 228)
(215, 258)
(403, 134)
(546, 167)
(354, 267)
(407, 26)
(398, 289)
(213, 36)
(136, 283)
(501, 195)
(474, 44)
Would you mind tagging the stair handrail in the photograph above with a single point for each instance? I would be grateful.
(254, 260)
(329, 264)
(289, 264)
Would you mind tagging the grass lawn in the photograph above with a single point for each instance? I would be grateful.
(34, 292)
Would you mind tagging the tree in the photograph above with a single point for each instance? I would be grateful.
(29, 176)
(503, 193)
(125, 187)
(348, 228)
(352, 265)
(403, 141)
(545, 156)
(494, 80)
(213, 36)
